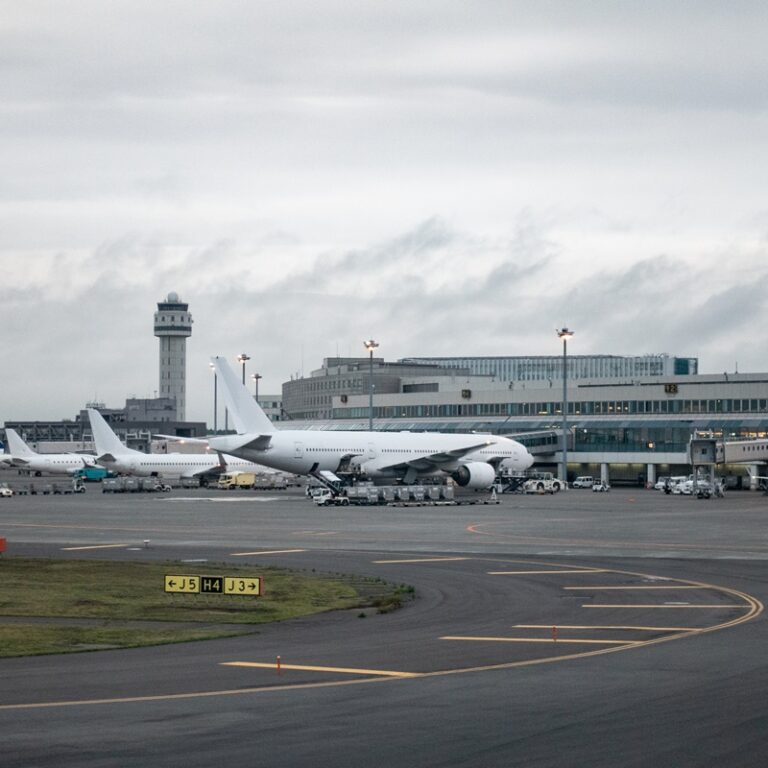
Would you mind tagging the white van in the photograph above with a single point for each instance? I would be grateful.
(584, 481)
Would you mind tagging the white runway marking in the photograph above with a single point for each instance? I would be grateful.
(224, 501)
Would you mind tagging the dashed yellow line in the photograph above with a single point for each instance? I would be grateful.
(94, 546)
(421, 560)
(267, 552)
(551, 570)
(605, 627)
(550, 640)
(666, 605)
(667, 587)
(305, 668)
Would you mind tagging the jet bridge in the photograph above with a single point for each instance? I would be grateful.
(706, 451)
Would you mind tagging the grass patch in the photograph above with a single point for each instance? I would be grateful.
(38, 639)
(108, 591)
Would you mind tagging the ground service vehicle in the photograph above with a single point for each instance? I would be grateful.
(543, 482)
(231, 480)
(584, 481)
(91, 474)
(601, 487)
(325, 498)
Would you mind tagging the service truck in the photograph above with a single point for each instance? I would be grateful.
(231, 480)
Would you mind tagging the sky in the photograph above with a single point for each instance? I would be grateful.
(447, 178)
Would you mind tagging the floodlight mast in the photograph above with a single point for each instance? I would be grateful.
(370, 345)
(565, 334)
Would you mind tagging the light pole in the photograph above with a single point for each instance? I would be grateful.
(370, 345)
(215, 399)
(565, 334)
(256, 377)
(242, 358)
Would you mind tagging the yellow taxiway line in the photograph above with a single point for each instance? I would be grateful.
(667, 605)
(550, 640)
(605, 627)
(420, 560)
(667, 587)
(551, 570)
(267, 552)
(95, 546)
(305, 668)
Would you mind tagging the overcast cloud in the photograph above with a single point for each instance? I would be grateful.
(445, 177)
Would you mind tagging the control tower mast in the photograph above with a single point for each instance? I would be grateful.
(173, 323)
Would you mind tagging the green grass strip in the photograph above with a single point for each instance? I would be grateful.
(107, 591)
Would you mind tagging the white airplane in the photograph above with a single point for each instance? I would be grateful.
(472, 460)
(21, 456)
(112, 454)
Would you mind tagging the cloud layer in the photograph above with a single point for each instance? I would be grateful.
(446, 178)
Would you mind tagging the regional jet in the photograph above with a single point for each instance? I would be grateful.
(472, 460)
(21, 456)
(113, 455)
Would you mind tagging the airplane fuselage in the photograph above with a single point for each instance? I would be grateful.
(175, 465)
(52, 463)
(375, 453)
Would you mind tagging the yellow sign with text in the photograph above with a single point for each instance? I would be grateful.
(246, 586)
(188, 585)
(240, 585)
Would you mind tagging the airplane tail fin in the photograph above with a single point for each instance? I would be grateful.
(106, 441)
(245, 411)
(16, 446)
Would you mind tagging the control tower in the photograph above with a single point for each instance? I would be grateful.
(173, 324)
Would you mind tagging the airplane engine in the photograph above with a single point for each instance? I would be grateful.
(476, 474)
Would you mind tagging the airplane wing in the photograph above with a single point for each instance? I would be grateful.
(259, 443)
(214, 469)
(435, 460)
(230, 443)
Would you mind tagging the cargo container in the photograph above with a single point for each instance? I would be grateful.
(113, 485)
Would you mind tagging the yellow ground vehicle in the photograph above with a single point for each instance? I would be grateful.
(231, 480)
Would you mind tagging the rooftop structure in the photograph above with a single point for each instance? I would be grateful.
(550, 367)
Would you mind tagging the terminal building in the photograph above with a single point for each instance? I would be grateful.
(550, 367)
(312, 398)
(135, 425)
(624, 428)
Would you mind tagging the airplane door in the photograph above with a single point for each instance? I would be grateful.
(298, 450)
(371, 451)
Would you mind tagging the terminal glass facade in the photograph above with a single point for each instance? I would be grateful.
(550, 367)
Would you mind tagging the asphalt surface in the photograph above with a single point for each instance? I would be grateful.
(579, 629)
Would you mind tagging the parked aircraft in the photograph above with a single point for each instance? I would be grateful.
(112, 454)
(471, 459)
(21, 456)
